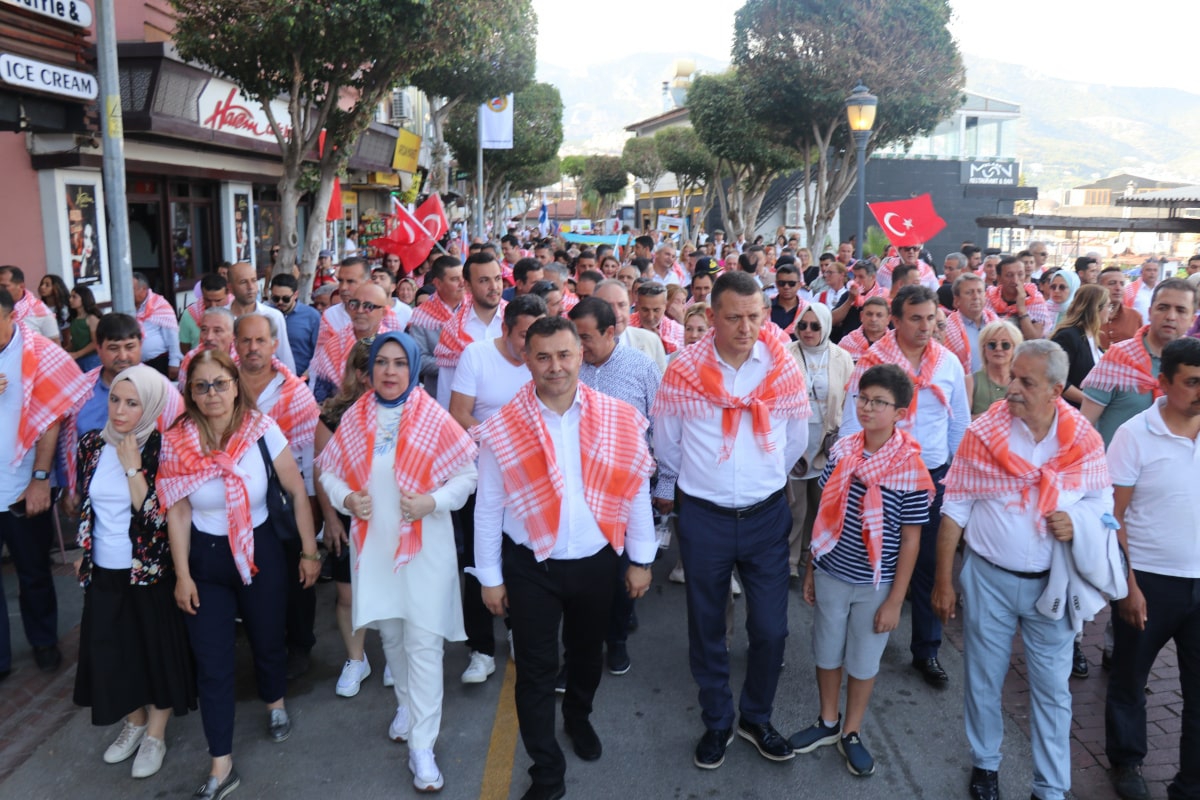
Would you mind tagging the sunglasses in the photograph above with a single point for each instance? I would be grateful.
(815, 327)
(281, 298)
(355, 305)
(220, 386)
(788, 284)
(1001, 345)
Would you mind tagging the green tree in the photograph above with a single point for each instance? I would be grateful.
(318, 54)
(607, 178)
(572, 167)
(744, 148)
(800, 59)
(526, 181)
(504, 62)
(684, 155)
(641, 159)
(537, 135)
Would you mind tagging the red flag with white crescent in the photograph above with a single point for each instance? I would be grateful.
(908, 222)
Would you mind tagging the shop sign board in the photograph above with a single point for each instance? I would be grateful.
(408, 148)
(990, 173)
(72, 12)
(42, 77)
(223, 108)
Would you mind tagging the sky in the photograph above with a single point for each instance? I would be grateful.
(1147, 43)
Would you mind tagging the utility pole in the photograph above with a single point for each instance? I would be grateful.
(120, 261)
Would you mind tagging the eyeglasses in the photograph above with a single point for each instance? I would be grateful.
(281, 298)
(873, 403)
(221, 385)
(1001, 345)
(355, 305)
(815, 327)
(788, 284)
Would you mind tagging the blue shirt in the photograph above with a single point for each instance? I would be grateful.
(94, 414)
(303, 324)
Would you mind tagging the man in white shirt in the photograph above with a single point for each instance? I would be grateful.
(386, 280)
(1154, 459)
(243, 284)
(160, 328)
(729, 448)
(616, 295)
(1028, 475)
(28, 307)
(479, 319)
(937, 418)
(489, 375)
(549, 533)
(281, 395)
(1139, 293)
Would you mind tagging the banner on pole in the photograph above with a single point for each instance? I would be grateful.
(496, 123)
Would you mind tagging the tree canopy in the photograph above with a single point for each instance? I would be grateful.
(799, 60)
(641, 158)
(606, 177)
(684, 155)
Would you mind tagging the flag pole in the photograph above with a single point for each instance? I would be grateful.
(479, 173)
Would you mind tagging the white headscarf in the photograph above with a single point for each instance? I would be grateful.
(825, 317)
(151, 391)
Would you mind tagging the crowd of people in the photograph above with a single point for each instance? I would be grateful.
(516, 433)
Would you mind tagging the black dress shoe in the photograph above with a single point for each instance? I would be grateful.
(710, 752)
(47, 659)
(583, 739)
(931, 670)
(769, 742)
(985, 784)
(546, 791)
(1128, 781)
(1079, 663)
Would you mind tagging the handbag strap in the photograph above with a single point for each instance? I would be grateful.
(272, 478)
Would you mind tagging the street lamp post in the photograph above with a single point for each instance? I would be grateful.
(860, 113)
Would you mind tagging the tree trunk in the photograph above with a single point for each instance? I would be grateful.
(317, 215)
(439, 153)
(289, 204)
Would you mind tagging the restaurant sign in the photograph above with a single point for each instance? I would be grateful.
(72, 12)
(223, 108)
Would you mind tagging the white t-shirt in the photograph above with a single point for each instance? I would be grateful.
(486, 375)
(208, 501)
(13, 480)
(403, 312)
(1162, 522)
(111, 506)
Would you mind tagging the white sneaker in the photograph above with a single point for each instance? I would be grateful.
(479, 669)
(126, 743)
(388, 680)
(398, 730)
(426, 775)
(677, 575)
(353, 674)
(149, 757)
(734, 586)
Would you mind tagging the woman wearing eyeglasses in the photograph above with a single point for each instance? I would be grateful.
(1079, 335)
(229, 562)
(998, 342)
(827, 370)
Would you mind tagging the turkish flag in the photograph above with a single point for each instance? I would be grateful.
(432, 216)
(414, 235)
(908, 222)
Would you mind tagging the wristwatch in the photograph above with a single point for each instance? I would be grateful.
(129, 473)
(41, 475)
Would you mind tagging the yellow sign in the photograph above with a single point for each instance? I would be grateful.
(349, 198)
(383, 179)
(408, 147)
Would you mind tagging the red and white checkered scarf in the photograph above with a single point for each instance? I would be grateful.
(897, 465)
(875, 291)
(957, 340)
(296, 410)
(888, 266)
(887, 351)
(29, 306)
(434, 448)
(68, 436)
(569, 301)
(51, 385)
(454, 338)
(433, 314)
(855, 343)
(984, 466)
(157, 311)
(612, 448)
(671, 333)
(1035, 304)
(1126, 367)
(334, 346)
(693, 384)
(185, 466)
(779, 333)
(790, 330)
(1131, 291)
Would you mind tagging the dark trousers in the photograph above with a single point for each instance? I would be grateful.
(578, 594)
(622, 606)
(711, 543)
(160, 363)
(477, 620)
(28, 540)
(263, 608)
(301, 602)
(926, 627)
(1173, 612)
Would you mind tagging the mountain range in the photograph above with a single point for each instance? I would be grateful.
(1069, 132)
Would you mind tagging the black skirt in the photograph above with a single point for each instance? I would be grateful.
(133, 649)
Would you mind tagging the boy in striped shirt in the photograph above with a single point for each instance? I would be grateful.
(875, 498)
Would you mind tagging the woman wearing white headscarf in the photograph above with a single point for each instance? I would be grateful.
(827, 369)
(1061, 291)
(134, 660)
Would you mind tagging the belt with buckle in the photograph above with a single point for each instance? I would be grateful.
(737, 513)
(1029, 575)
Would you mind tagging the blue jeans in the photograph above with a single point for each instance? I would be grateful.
(994, 603)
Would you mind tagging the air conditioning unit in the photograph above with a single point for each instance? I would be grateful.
(401, 111)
